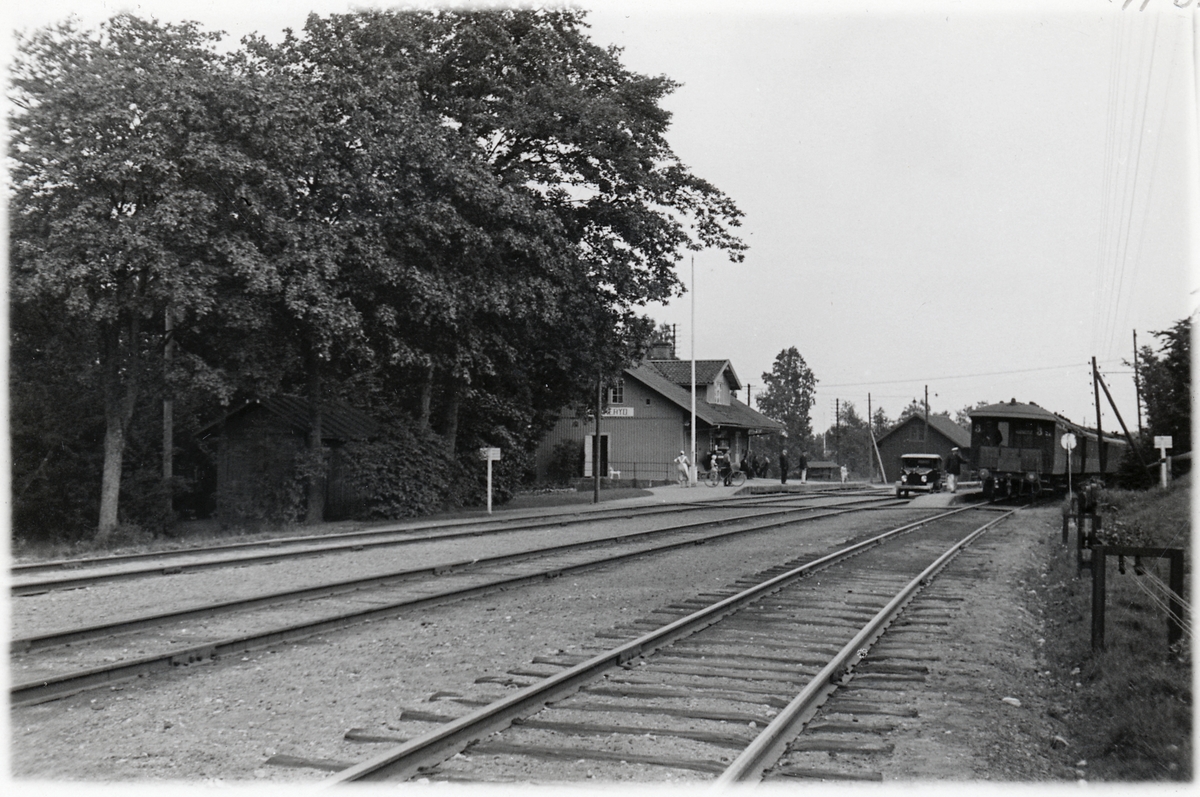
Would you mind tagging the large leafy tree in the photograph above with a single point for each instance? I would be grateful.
(1166, 384)
(538, 206)
(123, 194)
(461, 212)
(850, 441)
(788, 395)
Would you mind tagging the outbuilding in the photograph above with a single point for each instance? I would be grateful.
(260, 447)
(822, 470)
(909, 438)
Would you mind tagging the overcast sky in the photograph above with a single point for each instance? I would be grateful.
(974, 200)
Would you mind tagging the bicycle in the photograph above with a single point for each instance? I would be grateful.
(713, 478)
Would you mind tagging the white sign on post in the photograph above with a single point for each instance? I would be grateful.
(1068, 442)
(1163, 443)
(490, 455)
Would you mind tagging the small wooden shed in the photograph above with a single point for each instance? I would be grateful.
(909, 438)
(260, 446)
(821, 470)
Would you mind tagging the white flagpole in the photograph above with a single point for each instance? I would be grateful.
(692, 474)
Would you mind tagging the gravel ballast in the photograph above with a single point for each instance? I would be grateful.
(222, 721)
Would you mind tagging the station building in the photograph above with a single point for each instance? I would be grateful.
(647, 422)
(909, 438)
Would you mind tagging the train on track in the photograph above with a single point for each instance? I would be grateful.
(1017, 448)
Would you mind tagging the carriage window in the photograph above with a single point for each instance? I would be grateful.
(1002, 433)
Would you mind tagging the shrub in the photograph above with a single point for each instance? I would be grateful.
(566, 462)
(401, 474)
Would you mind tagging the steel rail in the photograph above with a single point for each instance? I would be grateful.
(576, 515)
(38, 587)
(431, 748)
(557, 519)
(27, 588)
(55, 687)
(128, 625)
(769, 745)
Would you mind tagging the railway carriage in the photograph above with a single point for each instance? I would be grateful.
(1016, 448)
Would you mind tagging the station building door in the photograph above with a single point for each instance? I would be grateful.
(587, 455)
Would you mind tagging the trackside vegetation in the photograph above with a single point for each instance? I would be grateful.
(1127, 709)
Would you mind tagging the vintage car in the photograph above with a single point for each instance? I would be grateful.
(919, 473)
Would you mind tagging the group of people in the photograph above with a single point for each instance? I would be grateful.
(720, 460)
(785, 467)
(759, 465)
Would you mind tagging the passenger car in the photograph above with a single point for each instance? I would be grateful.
(1017, 449)
(919, 473)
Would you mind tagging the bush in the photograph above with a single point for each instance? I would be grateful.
(566, 462)
(1133, 475)
(402, 474)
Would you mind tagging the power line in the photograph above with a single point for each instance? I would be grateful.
(956, 376)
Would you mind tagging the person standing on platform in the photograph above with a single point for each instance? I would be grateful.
(682, 465)
(802, 466)
(783, 466)
(844, 473)
(954, 469)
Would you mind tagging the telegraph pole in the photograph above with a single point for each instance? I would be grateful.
(837, 431)
(927, 417)
(596, 440)
(1137, 383)
(1099, 433)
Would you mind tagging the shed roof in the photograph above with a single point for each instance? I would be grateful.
(339, 421)
(944, 426)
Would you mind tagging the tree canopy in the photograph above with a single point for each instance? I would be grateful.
(1166, 385)
(449, 217)
(787, 396)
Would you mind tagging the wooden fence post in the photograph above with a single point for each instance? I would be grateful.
(1098, 568)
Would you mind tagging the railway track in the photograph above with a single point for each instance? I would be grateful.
(30, 579)
(56, 664)
(722, 692)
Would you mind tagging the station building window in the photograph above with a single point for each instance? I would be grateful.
(616, 393)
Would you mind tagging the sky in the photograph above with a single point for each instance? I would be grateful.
(973, 198)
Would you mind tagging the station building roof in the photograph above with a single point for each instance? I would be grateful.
(707, 372)
(735, 414)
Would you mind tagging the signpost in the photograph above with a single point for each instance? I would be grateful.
(490, 455)
(1163, 444)
(1067, 441)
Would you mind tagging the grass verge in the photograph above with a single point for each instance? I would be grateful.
(1127, 709)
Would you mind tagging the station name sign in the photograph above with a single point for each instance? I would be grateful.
(618, 412)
